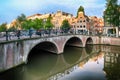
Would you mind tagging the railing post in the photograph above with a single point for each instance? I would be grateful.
(6, 35)
(30, 33)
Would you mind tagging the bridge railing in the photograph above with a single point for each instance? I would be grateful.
(23, 34)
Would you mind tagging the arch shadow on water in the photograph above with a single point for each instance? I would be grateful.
(89, 45)
(40, 63)
(72, 53)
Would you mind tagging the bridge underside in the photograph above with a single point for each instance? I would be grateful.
(89, 41)
(47, 46)
(74, 41)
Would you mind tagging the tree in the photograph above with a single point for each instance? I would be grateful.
(80, 9)
(48, 23)
(38, 24)
(27, 24)
(112, 12)
(3, 27)
(19, 20)
(65, 25)
(13, 28)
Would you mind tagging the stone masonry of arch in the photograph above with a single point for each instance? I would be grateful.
(16, 52)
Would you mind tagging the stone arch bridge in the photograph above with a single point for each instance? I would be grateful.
(15, 52)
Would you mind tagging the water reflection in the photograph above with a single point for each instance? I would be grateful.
(72, 55)
(91, 63)
(112, 65)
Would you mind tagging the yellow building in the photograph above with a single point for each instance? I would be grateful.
(58, 18)
(81, 24)
(39, 16)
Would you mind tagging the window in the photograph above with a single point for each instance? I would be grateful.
(80, 26)
(84, 21)
(77, 26)
(80, 21)
(84, 26)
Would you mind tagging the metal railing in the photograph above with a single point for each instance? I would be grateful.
(22, 34)
(26, 34)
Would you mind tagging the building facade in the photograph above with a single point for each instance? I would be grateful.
(57, 18)
(96, 25)
(81, 24)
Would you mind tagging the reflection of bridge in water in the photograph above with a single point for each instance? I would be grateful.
(53, 67)
(62, 64)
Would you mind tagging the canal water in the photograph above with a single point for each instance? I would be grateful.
(96, 62)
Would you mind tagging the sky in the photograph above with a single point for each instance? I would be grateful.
(10, 9)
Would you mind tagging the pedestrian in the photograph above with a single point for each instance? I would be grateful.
(6, 35)
(18, 34)
(9, 35)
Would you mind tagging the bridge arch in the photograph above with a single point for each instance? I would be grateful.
(73, 41)
(89, 40)
(45, 46)
(41, 60)
(88, 47)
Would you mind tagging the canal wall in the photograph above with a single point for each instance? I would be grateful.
(11, 55)
(110, 41)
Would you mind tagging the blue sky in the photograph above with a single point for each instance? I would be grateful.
(10, 9)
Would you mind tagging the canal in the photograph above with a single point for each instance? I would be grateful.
(95, 62)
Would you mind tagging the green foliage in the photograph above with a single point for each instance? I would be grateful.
(80, 9)
(65, 24)
(19, 20)
(48, 23)
(35, 24)
(3, 27)
(13, 28)
(27, 24)
(38, 24)
(112, 12)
